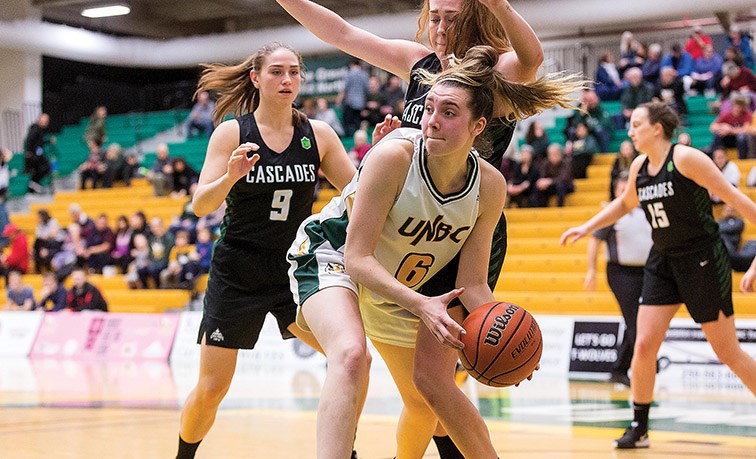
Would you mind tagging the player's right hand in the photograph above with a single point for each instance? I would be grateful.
(572, 235)
(240, 162)
(439, 322)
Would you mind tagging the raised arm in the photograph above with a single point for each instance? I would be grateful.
(522, 64)
(334, 161)
(381, 180)
(226, 162)
(394, 56)
(473, 259)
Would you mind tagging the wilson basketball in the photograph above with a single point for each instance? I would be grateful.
(502, 345)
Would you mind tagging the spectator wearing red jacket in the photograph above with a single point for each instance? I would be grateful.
(17, 259)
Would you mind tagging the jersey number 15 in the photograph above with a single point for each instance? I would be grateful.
(658, 215)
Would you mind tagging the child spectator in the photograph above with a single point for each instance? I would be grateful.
(360, 148)
(183, 264)
(83, 295)
(20, 297)
(52, 295)
(140, 256)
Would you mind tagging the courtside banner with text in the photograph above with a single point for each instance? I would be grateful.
(106, 336)
(17, 332)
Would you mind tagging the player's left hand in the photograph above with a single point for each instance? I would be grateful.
(388, 124)
(746, 283)
(538, 367)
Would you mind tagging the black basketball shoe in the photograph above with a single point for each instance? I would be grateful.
(632, 438)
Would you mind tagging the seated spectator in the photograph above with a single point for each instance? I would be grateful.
(161, 243)
(729, 169)
(731, 129)
(308, 107)
(52, 296)
(629, 53)
(99, 245)
(520, 188)
(393, 95)
(132, 169)
(114, 168)
(707, 71)
(64, 262)
(635, 93)
(360, 148)
(697, 42)
(669, 89)
(204, 249)
(36, 164)
(608, 81)
(84, 296)
(20, 297)
(731, 228)
(121, 253)
(161, 172)
(742, 42)
(48, 240)
(183, 264)
(622, 162)
(17, 258)
(95, 134)
(681, 61)
(736, 82)
(375, 103)
(555, 178)
(652, 66)
(184, 177)
(138, 225)
(200, 119)
(684, 139)
(594, 116)
(538, 140)
(328, 115)
(187, 221)
(140, 259)
(90, 171)
(581, 150)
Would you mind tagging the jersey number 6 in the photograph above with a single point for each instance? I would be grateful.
(413, 269)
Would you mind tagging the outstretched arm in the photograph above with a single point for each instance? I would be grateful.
(522, 64)
(394, 56)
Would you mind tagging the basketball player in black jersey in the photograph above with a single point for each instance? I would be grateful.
(264, 165)
(688, 262)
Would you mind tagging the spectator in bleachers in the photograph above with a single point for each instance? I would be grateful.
(621, 164)
(360, 148)
(733, 54)
(354, 96)
(638, 91)
(161, 243)
(681, 61)
(594, 116)
(669, 90)
(697, 42)
(328, 115)
(121, 253)
(48, 240)
(200, 119)
(631, 53)
(90, 171)
(374, 103)
(731, 128)
(132, 169)
(84, 296)
(308, 107)
(86, 224)
(742, 42)
(204, 249)
(183, 264)
(140, 259)
(100, 243)
(730, 170)
(17, 258)
(161, 172)
(95, 134)
(67, 258)
(707, 72)
(36, 163)
(525, 174)
(652, 66)
(538, 140)
(187, 221)
(731, 228)
(555, 178)
(393, 95)
(684, 139)
(52, 295)
(608, 81)
(138, 225)
(581, 150)
(113, 168)
(736, 81)
(19, 297)
(184, 177)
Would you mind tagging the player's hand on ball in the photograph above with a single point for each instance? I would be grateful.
(530, 377)
(241, 160)
(439, 322)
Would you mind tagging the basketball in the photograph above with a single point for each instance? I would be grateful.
(502, 346)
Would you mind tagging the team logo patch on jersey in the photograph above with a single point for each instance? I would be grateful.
(335, 268)
(306, 143)
(670, 166)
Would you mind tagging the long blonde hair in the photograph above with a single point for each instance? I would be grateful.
(237, 94)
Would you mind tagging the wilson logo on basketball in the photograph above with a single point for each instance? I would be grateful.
(493, 336)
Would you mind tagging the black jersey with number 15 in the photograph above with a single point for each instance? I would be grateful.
(678, 209)
(266, 207)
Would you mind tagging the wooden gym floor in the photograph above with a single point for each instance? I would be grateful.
(54, 409)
